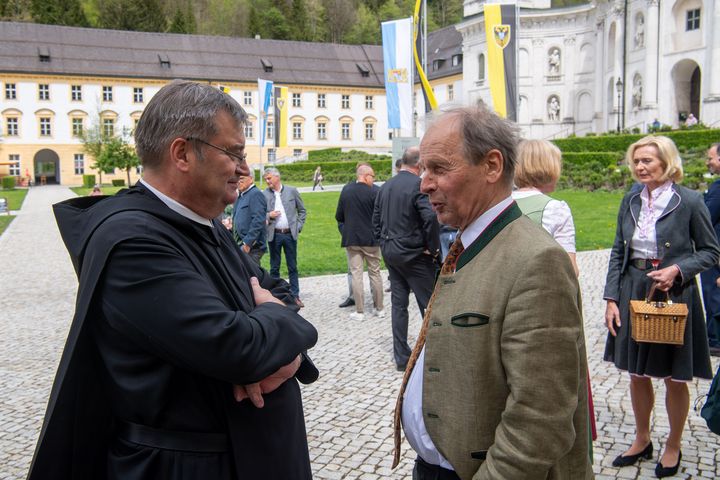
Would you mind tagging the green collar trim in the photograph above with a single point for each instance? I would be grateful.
(508, 216)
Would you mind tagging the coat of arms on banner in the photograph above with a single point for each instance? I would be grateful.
(398, 75)
(280, 102)
(502, 35)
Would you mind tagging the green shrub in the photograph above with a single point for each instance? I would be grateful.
(579, 158)
(118, 182)
(8, 183)
(325, 155)
(89, 181)
(337, 155)
(333, 172)
(684, 139)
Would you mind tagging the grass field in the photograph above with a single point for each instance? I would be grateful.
(15, 199)
(319, 251)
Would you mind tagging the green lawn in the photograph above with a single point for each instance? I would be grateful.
(319, 250)
(15, 199)
(594, 214)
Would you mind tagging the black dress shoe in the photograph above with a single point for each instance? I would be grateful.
(627, 460)
(401, 368)
(349, 302)
(662, 472)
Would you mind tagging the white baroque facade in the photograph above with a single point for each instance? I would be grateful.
(666, 56)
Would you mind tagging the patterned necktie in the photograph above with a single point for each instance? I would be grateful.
(448, 268)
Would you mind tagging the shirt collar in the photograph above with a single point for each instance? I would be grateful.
(478, 226)
(176, 206)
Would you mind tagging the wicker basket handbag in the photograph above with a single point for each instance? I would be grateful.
(658, 322)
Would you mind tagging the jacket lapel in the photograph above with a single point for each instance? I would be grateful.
(508, 216)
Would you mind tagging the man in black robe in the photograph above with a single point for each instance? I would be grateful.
(175, 327)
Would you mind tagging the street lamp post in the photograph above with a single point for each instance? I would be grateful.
(619, 87)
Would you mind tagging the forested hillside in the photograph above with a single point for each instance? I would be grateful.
(340, 21)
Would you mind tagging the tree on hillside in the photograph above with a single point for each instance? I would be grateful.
(340, 16)
(366, 29)
(58, 12)
(183, 20)
(445, 12)
(299, 21)
(15, 10)
(136, 15)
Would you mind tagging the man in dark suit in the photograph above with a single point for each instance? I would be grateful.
(710, 277)
(409, 240)
(286, 217)
(354, 216)
(249, 213)
(174, 325)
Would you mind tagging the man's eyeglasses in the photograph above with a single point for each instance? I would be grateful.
(234, 156)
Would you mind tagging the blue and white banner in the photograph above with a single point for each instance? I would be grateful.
(265, 92)
(397, 57)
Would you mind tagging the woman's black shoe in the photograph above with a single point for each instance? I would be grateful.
(661, 472)
(626, 461)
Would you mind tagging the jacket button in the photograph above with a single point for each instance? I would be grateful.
(624, 242)
(667, 244)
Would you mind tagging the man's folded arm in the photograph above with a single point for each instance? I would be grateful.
(184, 320)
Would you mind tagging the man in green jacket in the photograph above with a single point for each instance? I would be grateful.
(496, 385)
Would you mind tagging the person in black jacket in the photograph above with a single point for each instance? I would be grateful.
(354, 216)
(174, 325)
(408, 232)
(711, 276)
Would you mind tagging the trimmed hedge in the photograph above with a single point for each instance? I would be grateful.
(8, 183)
(89, 181)
(337, 155)
(333, 172)
(684, 139)
(582, 158)
(118, 182)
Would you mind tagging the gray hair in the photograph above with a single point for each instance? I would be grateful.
(482, 130)
(716, 146)
(411, 157)
(181, 109)
(272, 171)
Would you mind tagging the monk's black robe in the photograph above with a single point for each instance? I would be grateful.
(165, 324)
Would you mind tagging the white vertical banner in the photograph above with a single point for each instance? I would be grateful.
(265, 92)
(397, 58)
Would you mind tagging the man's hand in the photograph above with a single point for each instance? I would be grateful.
(274, 214)
(255, 391)
(245, 248)
(261, 295)
(612, 317)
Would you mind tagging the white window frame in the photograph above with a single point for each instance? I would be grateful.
(369, 102)
(345, 102)
(10, 91)
(75, 122)
(107, 93)
(247, 99)
(297, 130)
(14, 167)
(76, 93)
(44, 91)
(321, 101)
(296, 100)
(79, 163)
(138, 95)
(369, 128)
(346, 131)
(322, 130)
(45, 127)
(12, 126)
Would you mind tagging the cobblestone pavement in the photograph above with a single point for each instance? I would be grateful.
(348, 410)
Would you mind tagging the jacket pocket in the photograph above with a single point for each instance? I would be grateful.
(470, 319)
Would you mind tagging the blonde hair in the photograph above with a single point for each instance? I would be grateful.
(667, 153)
(539, 163)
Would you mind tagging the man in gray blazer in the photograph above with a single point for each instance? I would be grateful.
(286, 217)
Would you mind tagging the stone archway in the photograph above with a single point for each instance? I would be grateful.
(686, 77)
(47, 167)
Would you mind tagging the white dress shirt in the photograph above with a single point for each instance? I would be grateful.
(412, 417)
(281, 220)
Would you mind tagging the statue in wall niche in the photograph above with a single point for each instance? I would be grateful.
(640, 32)
(554, 61)
(553, 109)
(637, 92)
